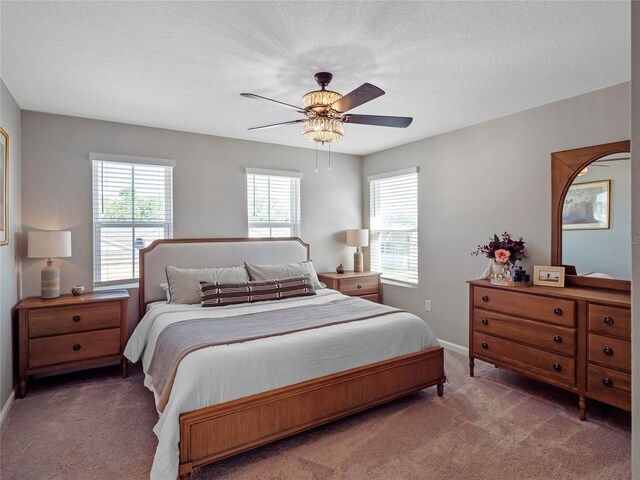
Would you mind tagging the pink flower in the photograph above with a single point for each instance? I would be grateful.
(502, 255)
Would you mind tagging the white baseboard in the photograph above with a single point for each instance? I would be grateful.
(454, 347)
(7, 406)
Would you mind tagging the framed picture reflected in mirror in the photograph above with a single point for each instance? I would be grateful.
(587, 206)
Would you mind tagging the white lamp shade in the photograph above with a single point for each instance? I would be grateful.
(358, 238)
(47, 244)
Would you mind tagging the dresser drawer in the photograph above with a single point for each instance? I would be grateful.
(530, 360)
(548, 309)
(70, 348)
(359, 285)
(543, 335)
(610, 383)
(611, 352)
(60, 320)
(610, 320)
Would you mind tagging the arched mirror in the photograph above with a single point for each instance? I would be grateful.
(591, 215)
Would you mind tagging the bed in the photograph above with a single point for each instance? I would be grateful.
(227, 399)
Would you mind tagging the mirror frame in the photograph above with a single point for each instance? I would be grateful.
(565, 167)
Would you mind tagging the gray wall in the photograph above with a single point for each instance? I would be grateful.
(486, 179)
(635, 211)
(209, 188)
(604, 251)
(10, 255)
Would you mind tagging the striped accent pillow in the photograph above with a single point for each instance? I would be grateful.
(215, 294)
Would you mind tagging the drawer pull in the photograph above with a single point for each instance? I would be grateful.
(359, 286)
(557, 339)
(485, 321)
(608, 320)
(485, 298)
(77, 318)
(607, 382)
(557, 367)
(77, 347)
(608, 351)
(558, 311)
(485, 345)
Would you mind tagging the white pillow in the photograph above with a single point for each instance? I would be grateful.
(165, 289)
(184, 283)
(284, 270)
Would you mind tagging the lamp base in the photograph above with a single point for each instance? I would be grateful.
(358, 261)
(50, 282)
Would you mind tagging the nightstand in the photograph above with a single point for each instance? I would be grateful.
(71, 332)
(356, 284)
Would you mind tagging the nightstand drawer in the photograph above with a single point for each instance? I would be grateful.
(359, 285)
(70, 348)
(552, 310)
(374, 297)
(60, 320)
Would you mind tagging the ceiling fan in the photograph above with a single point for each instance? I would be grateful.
(326, 111)
(598, 163)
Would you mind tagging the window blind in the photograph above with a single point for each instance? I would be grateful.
(393, 224)
(132, 206)
(273, 204)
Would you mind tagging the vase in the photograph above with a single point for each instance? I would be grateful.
(498, 271)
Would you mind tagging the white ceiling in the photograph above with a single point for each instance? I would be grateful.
(182, 65)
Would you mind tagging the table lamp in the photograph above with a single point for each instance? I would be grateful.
(49, 245)
(358, 238)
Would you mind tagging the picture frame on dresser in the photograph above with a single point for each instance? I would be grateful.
(4, 187)
(548, 276)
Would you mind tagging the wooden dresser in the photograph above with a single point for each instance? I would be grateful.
(575, 338)
(356, 284)
(71, 332)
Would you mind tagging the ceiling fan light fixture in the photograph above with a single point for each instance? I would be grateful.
(320, 100)
(323, 129)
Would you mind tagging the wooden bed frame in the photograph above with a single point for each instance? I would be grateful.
(220, 431)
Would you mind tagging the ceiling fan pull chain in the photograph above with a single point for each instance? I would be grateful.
(316, 157)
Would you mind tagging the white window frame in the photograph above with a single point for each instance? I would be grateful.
(101, 158)
(294, 225)
(390, 277)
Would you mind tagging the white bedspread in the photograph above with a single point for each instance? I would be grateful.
(226, 372)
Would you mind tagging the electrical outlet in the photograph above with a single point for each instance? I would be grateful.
(427, 305)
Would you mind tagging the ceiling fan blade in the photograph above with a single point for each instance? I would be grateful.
(264, 127)
(363, 94)
(379, 120)
(606, 160)
(282, 104)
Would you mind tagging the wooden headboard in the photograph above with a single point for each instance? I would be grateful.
(210, 252)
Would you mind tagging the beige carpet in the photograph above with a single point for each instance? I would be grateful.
(95, 425)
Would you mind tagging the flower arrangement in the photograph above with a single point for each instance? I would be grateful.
(503, 250)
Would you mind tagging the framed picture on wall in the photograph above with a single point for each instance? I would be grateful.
(587, 206)
(4, 186)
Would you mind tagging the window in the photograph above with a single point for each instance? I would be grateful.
(132, 206)
(273, 203)
(393, 207)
